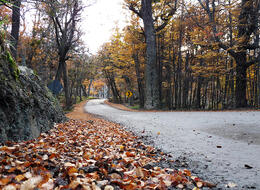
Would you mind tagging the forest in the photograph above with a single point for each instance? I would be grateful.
(172, 54)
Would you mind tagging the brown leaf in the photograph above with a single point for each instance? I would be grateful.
(19, 178)
(199, 184)
(109, 187)
(31, 183)
(72, 170)
(4, 181)
(139, 172)
(115, 176)
(129, 154)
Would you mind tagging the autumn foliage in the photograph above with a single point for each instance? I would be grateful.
(93, 154)
(207, 55)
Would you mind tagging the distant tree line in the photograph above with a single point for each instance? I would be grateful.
(52, 47)
(180, 55)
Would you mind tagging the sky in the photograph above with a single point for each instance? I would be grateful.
(98, 21)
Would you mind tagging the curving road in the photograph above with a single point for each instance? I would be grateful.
(219, 146)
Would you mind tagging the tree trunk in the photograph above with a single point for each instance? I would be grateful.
(15, 27)
(169, 95)
(258, 86)
(169, 86)
(80, 93)
(66, 85)
(89, 86)
(83, 89)
(198, 94)
(160, 66)
(151, 78)
(139, 81)
(186, 83)
(62, 72)
(240, 91)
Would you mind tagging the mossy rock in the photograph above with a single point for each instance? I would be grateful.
(27, 107)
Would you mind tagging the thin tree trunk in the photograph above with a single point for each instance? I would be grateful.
(198, 93)
(89, 86)
(258, 82)
(139, 80)
(66, 85)
(160, 65)
(169, 82)
(186, 83)
(15, 27)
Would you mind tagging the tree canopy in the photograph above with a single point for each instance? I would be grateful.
(170, 55)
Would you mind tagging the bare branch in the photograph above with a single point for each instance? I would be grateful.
(167, 18)
(132, 8)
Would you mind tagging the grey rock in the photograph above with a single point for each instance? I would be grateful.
(25, 71)
(27, 107)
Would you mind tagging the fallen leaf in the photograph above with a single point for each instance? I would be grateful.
(19, 178)
(139, 172)
(115, 176)
(248, 167)
(4, 181)
(129, 154)
(109, 187)
(231, 185)
(9, 187)
(31, 183)
(45, 157)
(72, 170)
(199, 184)
(180, 186)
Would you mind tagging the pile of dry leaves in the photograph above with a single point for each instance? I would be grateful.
(94, 154)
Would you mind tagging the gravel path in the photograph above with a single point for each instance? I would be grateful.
(218, 146)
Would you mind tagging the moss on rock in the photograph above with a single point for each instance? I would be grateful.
(13, 66)
(27, 107)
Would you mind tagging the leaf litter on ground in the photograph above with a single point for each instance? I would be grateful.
(89, 155)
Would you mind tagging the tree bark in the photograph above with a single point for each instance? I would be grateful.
(151, 78)
(241, 78)
(89, 86)
(139, 80)
(15, 27)
(198, 94)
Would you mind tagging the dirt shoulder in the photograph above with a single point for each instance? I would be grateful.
(78, 112)
(120, 106)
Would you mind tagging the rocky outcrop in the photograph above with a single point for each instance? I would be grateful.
(27, 107)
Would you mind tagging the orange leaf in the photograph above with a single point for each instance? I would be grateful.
(72, 170)
(4, 181)
(187, 172)
(11, 170)
(130, 186)
(129, 154)
(52, 156)
(199, 184)
(86, 156)
(19, 178)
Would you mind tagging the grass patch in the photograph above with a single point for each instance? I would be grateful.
(135, 107)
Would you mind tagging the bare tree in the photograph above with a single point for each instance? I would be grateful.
(65, 17)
